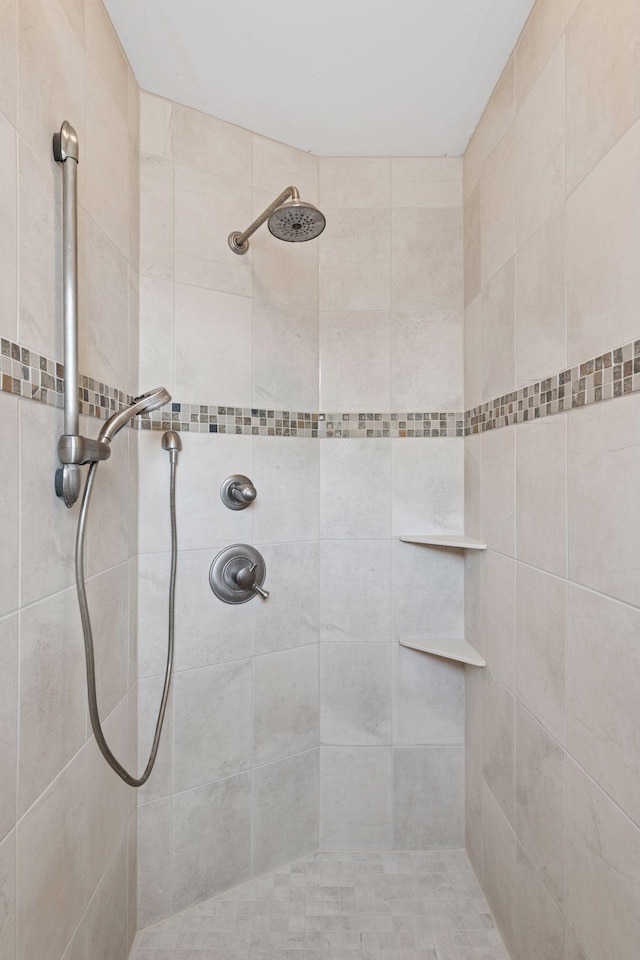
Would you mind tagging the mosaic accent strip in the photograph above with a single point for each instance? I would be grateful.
(363, 425)
(31, 375)
(28, 374)
(248, 421)
(612, 374)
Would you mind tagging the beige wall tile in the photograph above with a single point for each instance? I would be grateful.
(426, 362)
(346, 384)
(604, 523)
(541, 494)
(207, 209)
(541, 325)
(603, 246)
(212, 145)
(8, 59)
(211, 839)
(498, 334)
(473, 354)
(279, 519)
(356, 690)
(285, 810)
(603, 871)
(600, 59)
(285, 718)
(156, 332)
(437, 469)
(8, 734)
(213, 330)
(212, 705)
(499, 111)
(276, 166)
(603, 714)
(473, 814)
(107, 797)
(355, 465)
(156, 125)
(290, 619)
(540, 926)
(285, 357)
(161, 783)
(473, 684)
(51, 74)
(541, 614)
(107, 183)
(542, 31)
(498, 489)
(540, 151)
(428, 797)
(355, 798)
(104, 49)
(428, 699)
(106, 308)
(355, 250)
(426, 182)
(8, 897)
(10, 521)
(498, 615)
(154, 861)
(540, 800)
(362, 616)
(498, 744)
(472, 455)
(157, 218)
(106, 933)
(40, 283)
(472, 230)
(426, 260)
(355, 182)
(9, 218)
(51, 852)
(52, 693)
(497, 207)
(428, 588)
(499, 866)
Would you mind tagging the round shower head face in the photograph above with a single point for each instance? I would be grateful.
(296, 221)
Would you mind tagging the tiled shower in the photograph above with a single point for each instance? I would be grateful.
(457, 353)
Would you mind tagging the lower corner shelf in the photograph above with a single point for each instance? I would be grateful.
(460, 650)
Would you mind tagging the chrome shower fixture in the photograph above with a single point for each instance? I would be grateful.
(289, 218)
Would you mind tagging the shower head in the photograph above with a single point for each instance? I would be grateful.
(143, 404)
(296, 221)
(289, 218)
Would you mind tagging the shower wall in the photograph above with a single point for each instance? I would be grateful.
(67, 824)
(298, 720)
(391, 719)
(236, 789)
(552, 244)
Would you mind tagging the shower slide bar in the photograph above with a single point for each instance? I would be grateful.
(73, 449)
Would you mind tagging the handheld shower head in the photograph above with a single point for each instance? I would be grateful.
(142, 404)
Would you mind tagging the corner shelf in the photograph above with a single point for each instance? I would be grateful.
(458, 541)
(460, 650)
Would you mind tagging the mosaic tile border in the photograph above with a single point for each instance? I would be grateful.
(613, 374)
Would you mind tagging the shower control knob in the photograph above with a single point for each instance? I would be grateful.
(237, 574)
(237, 492)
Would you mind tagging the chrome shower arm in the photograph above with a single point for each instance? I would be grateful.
(239, 242)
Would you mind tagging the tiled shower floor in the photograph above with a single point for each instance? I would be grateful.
(339, 906)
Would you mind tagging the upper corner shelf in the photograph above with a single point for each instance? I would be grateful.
(445, 540)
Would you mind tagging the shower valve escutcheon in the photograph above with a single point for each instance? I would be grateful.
(237, 574)
(237, 492)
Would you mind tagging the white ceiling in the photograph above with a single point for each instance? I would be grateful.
(336, 77)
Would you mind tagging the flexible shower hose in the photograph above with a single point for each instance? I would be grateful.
(88, 633)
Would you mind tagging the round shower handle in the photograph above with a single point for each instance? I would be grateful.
(237, 574)
(237, 492)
